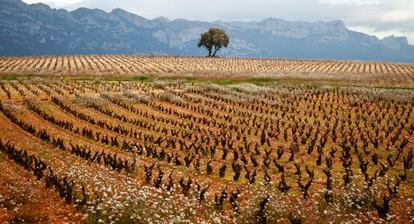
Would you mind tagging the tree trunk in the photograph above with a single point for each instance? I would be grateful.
(215, 51)
(209, 52)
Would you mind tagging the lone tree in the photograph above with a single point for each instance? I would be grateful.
(213, 40)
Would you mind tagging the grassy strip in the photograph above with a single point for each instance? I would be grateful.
(294, 82)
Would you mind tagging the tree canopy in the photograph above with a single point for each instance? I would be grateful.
(213, 40)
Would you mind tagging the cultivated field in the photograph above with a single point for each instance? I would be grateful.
(372, 73)
(194, 151)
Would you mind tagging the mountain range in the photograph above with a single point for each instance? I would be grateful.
(37, 29)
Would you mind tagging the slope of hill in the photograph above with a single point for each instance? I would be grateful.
(39, 30)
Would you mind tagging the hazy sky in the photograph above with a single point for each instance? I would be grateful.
(377, 17)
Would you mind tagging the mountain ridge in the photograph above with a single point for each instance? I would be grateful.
(37, 29)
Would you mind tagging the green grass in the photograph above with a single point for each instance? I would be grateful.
(395, 87)
(216, 80)
(130, 79)
(256, 81)
(80, 78)
(109, 78)
(11, 77)
(260, 81)
(226, 82)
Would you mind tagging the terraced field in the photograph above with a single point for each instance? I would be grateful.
(187, 152)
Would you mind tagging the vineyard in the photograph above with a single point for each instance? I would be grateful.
(118, 65)
(180, 152)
